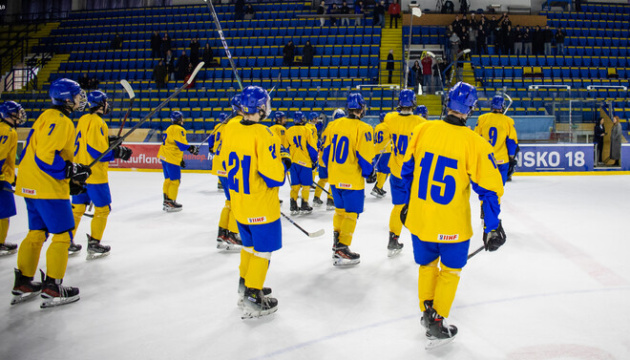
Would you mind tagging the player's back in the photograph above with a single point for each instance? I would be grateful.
(401, 128)
(8, 146)
(349, 143)
(382, 138)
(498, 130)
(281, 132)
(172, 140)
(91, 140)
(302, 145)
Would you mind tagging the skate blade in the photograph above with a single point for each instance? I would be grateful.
(221, 245)
(170, 210)
(375, 194)
(18, 299)
(93, 256)
(317, 204)
(307, 212)
(73, 253)
(436, 343)
(233, 248)
(330, 208)
(8, 252)
(394, 252)
(295, 213)
(345, 262)
(49, 303)
(249, 313)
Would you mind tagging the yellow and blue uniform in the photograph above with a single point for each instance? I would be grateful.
(499, 131)
(303, 150)
(281, 132)
(401, 129)
(8, 148)
(250, 154)
(443, 161)
(348, 155)
(90, 142)
(42, 182)
(322, 170)
(171, 154)
(382, 149)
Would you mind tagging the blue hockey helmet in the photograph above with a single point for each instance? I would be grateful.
(235, 102)
(177, 116)
(462, 98)
(381, 117)
(255, 99)
(14, 111)
(407, 98)
(338, 113)
(64, 90)
(355, 102)
(497, 102)
(313, 115)
(97, 99)
(222, 117)
(298, 117)
(422, 111)
(278, 116)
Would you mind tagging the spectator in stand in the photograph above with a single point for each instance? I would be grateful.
(464, 40)
(427, 72)
(509, 39)
(345, 10)
(472, 36)
(538, 39)
(616, 137)
(458, 24)
(84, 81)
(454, 45)
(288, 53)
(156, 44)
(116, 42)
(307, 54)
(249, 12)
(321, 10)
(417, 71)
(482, 46)
(394, 13)
(598, 137)
(379, 14)
(189, 72)
(208, 55)
(548, 40)
(527, 42)
(182, 65)
(159, 75)
(194, 51)
(358, 10)
(239, 9)
(169, 62)
(390, 65)
(560, 35)
(333, 11)
(518, 40)
(166, 44)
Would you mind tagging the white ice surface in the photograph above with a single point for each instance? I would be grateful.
(559, 288)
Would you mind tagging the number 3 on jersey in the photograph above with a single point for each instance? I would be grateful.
(444, 191)
(234, 165)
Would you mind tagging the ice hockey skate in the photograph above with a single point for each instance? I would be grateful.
(8, 249)
(24, 289)
(54, 294)
(294, 208)
(330, 204)
(317, 202)
(305, 209)
(241, 292)
(95, 250)
(438, 332)
(74, 249)
(256, 304)
(171, 205)
(342, 256)
(379, 193)
(222, 238)
(232, 242)
(394, 247)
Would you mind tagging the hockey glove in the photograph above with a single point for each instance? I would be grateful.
(513, 163)
(113, 139)
(286, 160)
(494, 239)
(77, 189)
(193, 149)
(372, 178)
(122, 152)
(182, 164)
(77, 172)
(403, 213)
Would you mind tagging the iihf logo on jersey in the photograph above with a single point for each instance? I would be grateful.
(257, 220)
(442, 237)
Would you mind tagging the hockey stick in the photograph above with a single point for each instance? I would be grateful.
(149, 115)
(510, 104)
(476, 252)
(315, 234)
(316, 184)
(132, 98)
(217, 24)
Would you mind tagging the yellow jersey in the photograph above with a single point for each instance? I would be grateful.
(382, 139)
(281, 132)
(401, 129)
(49, 145)
(348, 153)
(302, 145)
(8, 148)
(90, 142)
(217, 167)
(251, 157)
(499, 131)
(442, 162)
(313, 130)
(174, 144)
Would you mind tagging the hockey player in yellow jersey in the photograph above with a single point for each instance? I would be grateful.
(323, 171)
(348, 155)
(251, 156)
(443, 161)
(227, 236)
(46, 178)
(498, 130)
(303, 150)
(400, 124)
(278, 128)
(12, 115)
(92, 141)
(383, 149)
(171, 154)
